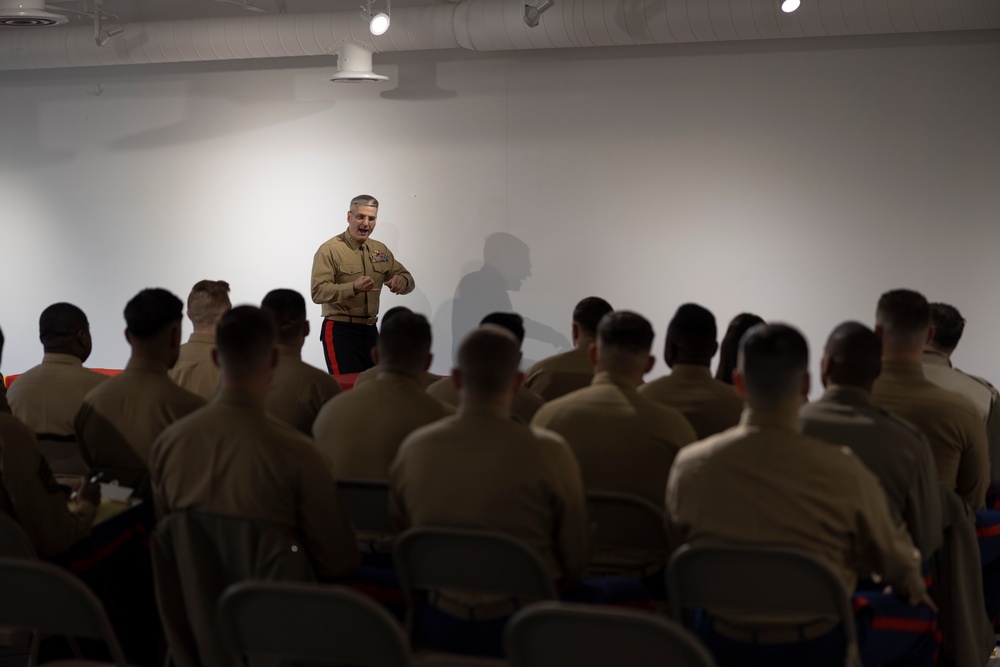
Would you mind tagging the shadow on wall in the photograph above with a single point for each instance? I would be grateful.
(506, 265)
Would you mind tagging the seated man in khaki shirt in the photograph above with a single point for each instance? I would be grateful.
(194, 369)
(764, 482)
(950, 421)
(47, 397)
(426, 377)
(479, 469)
(562, 373)
(711, 406)
(390, 407)
(121, 417)
(234, 459)
(948, 326)
(297, 390)
(525, 403)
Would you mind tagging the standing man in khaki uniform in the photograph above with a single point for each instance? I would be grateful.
(894, 450)
(562, 373)
(194, 370)
(951, 423)
(120, 418)
(388, 408)
(47, 397)
(764, 482)
(348, 273)
(479, 469)
(297, 390)
(234, 459)
(526, 402)
(711, 406)
(948, 325)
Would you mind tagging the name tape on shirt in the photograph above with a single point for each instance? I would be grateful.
(379, 256)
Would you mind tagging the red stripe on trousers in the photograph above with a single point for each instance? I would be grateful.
(331, 354)
(988, 531)
(903, 624)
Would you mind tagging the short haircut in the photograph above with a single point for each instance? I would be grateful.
(855, 353)
(404, 342)
(693, 329)
(60, 322)
(288, 309)
(949, 325)
(488, 359)
(729, 348)
(625, 331)
(774, 359)
(588, 313)
(364, 200)
(245, 339)
(391, 313)
(151, 311)
(904, 315)
(512, 322)
(208, 300)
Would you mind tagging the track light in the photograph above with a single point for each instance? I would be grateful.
(377, 23)
(789, 6)
(533, 13)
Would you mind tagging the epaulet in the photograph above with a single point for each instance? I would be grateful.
(979, 380)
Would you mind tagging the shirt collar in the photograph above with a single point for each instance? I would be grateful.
(290, 352)
(57, 358)
(397, 378)
(854, 396)
(146, 366)
(691, 372)
(902, 369)
(239, 399)
(935, 358)
(771, 419)
(477, 409)
(604, 377)
(202, 338)
(352, 242)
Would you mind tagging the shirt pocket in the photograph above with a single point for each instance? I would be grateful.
(382, 268)
(350, 268)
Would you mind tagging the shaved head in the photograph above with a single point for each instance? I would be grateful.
(853, 356)
(904, 318)
(774, 362)
(691, 336)
(488, 361)
(245, 342)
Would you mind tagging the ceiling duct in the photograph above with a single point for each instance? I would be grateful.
(28, 14)
(354, 65)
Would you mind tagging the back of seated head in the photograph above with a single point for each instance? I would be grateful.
(949, 325)
(1, 343)
(904, 317)
(63, 328)
(729, 348)
(404, 344)
(512, 322)
(245, 342)
(208, 300)
(288, 309)
(853, 356)
(488, 360)
(624, 340)
(391, 313)
(773, 363)
(151, 312)
(588, 313)
(691, 335)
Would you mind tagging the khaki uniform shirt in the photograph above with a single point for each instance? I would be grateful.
(524, 407)
(895, 451)
(369, 374)
(120, 419)
(479, 469)
(234, 459)
(47, 397)
(195, 370)
(561, 373)
(361, 430)
(298, 390)
(342, 260)
(950, 422)
(624, 442)
(763, 482)
(30, 495)
(711, 406)
(938, 369)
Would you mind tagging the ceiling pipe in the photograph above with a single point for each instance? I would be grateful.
(480, 25)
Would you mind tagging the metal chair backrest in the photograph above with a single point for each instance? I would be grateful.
(626, 522)
(310, 623)
(14, 542)
(561, 633)
(43, 597)
(769, 580)
(366, 502)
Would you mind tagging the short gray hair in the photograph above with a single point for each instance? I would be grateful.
(364, 200)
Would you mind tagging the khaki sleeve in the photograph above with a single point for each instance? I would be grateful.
(327, 533)
(973, 476)
(80, 425)
(572, 539)
(397, 504)
(399, 270)
(677, 530)
(325, 287)
(883, 546)
(993, 437)
(922, 512)
(37, 502)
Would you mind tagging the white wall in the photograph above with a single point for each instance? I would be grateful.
(796, 180)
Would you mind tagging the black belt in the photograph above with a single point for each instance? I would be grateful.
(354, 320)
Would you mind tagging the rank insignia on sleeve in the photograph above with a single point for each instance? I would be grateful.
(379, 256)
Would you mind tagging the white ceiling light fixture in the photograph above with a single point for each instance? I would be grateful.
(789, 6)
(28, 14)
(377, 23)
(354, 65)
